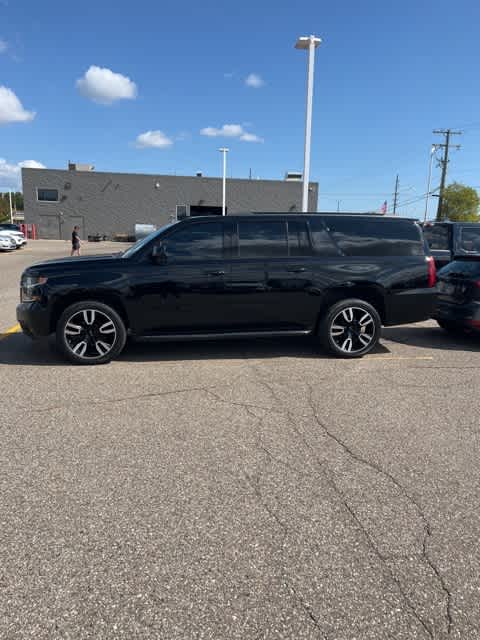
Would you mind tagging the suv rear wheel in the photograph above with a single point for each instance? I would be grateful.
(350, 328)
(90, 332)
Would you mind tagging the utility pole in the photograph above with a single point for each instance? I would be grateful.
(395, 196)
(444, 163)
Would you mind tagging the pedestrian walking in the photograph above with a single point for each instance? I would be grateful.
(75, 241)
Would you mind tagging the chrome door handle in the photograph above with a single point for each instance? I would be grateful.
(214, 273)
(296, 269)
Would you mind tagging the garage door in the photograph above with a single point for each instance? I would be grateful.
(49, 227)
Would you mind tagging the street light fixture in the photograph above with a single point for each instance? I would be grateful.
(310, 43)
(224, 151)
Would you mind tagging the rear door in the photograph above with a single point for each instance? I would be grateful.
(270, 275)
(293, 300)
(254, 242)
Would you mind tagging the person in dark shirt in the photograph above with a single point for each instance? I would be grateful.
(75, 241)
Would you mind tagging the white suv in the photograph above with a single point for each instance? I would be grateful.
(7, 243)
(13, 231)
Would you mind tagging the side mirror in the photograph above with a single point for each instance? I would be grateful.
(159, 255)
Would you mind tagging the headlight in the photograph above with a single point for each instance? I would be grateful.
(29, 288)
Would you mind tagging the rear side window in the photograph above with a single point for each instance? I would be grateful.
(262, 239)
(437, 236)
(298, 240)
(321, 240)
(469, 239)
(360, 237)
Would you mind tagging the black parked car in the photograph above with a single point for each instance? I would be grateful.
(450, 240)
(458, 307)
(336, 277)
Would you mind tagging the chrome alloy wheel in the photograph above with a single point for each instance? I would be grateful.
(90, 333)
(352, 329)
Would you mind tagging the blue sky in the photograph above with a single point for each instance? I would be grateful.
(386, 75)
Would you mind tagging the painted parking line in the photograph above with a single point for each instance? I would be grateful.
(398, 358)
(8, 332)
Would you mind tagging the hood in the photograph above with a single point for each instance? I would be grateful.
(74, 263)
(8, 232)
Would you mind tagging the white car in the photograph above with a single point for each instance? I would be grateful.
(17, 236)
(7, 243)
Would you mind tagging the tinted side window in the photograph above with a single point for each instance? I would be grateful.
(262, 239)
(437, 236)
(298, 240)
(196, 242)
(371, 238)
(470, 239)
(322, 243)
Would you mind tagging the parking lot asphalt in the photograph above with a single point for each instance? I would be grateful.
(239, 489)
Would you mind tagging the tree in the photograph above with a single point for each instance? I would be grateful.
(17, 204)
(4, 208)
(460, 203)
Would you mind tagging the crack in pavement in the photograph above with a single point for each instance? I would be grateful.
(351, 511)
(139, 396)
(426, 524)
(307, 608)
(254, 486)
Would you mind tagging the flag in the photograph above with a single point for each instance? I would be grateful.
(383, 208)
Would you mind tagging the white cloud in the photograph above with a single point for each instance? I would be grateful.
(230, 131)
(3, 45)
(105, 87)
(10, 174)
(227, 131)
(254, 80)
(250, 137)
(156, 139)
(31, 164)
(11, 109)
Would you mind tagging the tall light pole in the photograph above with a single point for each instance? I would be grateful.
(432, 151)
(11, 208)
(224, 151)
(310, 43)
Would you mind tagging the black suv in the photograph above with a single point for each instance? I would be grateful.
(451, 240)
(336, 277)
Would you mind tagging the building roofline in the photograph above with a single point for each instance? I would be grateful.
(163, 175)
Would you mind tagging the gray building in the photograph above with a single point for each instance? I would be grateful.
(112, 203)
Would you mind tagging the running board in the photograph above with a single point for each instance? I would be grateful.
(220, 336)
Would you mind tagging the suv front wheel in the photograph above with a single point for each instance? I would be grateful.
(90, 332)
(350, 328)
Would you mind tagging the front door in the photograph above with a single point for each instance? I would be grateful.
(187, 293)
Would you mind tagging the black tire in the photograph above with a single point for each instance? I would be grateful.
(90, 332)
(350, 328)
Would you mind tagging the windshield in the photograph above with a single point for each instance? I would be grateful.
(144, 241)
